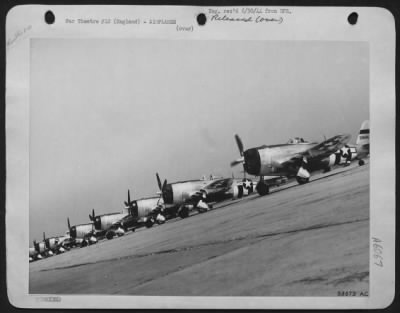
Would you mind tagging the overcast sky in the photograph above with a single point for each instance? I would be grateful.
(107, 114)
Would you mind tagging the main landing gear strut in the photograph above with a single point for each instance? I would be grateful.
(303, 175)
(183, 211)
(262, 188)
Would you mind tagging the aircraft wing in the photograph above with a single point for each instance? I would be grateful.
(127, 221)
(196, 197)
(214, 190)
(327, 147)
(317, 152)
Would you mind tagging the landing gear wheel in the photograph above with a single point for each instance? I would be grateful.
(109, 235)
(184, 212)
(149, 223)
(361, 162)
(327, 169)
(262, 188)
(302, 180)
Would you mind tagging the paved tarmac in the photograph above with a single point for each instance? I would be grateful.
(300, 240)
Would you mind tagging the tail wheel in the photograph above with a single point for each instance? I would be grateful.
(302, 180)
(262, 188)
(361, 162)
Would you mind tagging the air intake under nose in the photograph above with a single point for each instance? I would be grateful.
(252, 161)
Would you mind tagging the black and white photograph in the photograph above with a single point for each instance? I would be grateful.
(229, 167)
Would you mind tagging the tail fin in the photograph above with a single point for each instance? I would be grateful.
(363, 137)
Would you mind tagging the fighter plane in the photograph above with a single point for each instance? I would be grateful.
(110, 225)
(198, 194)
(148, 210)
(295, 158)
(48, 247)
(38, 251)
(34, 255)
(58, 244)
(82, 234)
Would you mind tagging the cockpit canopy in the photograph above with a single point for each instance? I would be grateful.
(296, 140)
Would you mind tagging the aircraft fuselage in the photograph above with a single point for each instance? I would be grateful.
(267, 160)
(144, 207)
(82, 230)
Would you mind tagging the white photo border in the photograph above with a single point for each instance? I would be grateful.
(375, 26)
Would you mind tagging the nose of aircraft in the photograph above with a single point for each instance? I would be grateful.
(97, 222)
(252, 161)
(168, 194)
(133, 209)
(72, 232)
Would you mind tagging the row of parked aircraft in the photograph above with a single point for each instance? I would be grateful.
(272, 164)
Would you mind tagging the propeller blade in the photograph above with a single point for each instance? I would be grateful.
(239, 144)
(164, 185)
(159, 181)
(129, 197)
(237, 161)
(69, 225)
(44, 236)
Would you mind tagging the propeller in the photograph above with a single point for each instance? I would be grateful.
(93, 216)
(240, 160)
(239, 144)
(46, 241)
(237, 161)
(69, 226)
(161, 187)
(128, 203)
